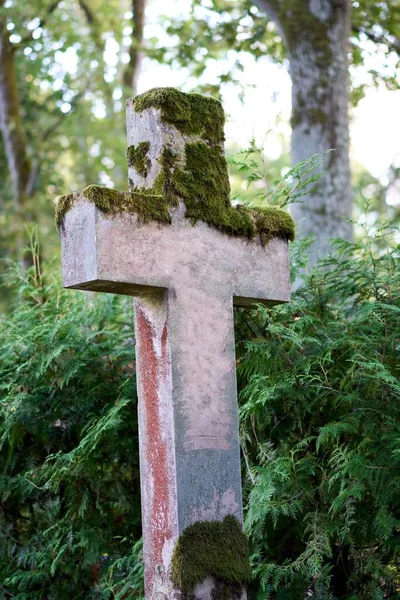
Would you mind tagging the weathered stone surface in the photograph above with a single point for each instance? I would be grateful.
(185, 279)
(120, 255)
(147, 126)
(185, 354)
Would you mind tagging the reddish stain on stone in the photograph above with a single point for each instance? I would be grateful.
(153, 373)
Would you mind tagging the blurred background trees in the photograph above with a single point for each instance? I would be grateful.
(325, 43)
(67, 66)
(57, 91)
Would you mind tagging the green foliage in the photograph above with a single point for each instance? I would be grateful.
(65, 89)
(209, 32)
(217, 548)
(295, 183)
(378, 193)
(320, 414)
(219, 28)
(69, 473)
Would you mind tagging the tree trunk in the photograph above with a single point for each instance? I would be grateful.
(23, 173)
(11, 122)
(131, 75)
(315, 33)
(12, 131)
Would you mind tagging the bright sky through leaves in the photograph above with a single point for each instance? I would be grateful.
(267, 105)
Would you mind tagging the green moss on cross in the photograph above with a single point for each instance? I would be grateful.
(198, 177)
(137, 158)
(148, 207)
(192, 114)
(212, 548)
(203, 184)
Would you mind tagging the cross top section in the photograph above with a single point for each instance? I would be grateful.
(175, 148)
(176, 155)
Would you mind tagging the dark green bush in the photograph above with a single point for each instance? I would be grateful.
(69, 474)
(320, 429)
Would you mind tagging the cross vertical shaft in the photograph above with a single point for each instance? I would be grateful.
(177, 246)
(190, 466)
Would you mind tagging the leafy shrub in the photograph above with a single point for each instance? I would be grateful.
(320, 429)
(69, 473)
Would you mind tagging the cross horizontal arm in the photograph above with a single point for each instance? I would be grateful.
(119, 254)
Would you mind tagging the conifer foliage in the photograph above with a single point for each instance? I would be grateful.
(320, 430)
(69, 473)
(320, 425)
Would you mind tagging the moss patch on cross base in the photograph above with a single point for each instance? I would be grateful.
(137, 158)
(211, 548)
(192, 114)
(148, 207)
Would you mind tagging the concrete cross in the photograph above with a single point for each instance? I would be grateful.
(186, 275)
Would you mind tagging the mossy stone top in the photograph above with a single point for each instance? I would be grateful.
(198, 176)
(192, 114)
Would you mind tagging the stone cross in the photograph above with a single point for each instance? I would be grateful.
(187, 257)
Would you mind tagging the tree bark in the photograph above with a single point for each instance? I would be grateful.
(11, 126)
(23, 173)
(132, 73)
(315, 33)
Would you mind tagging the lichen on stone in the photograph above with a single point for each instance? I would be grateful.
(192, 114)
(163, 183)
(63, 205)
(212, 548)
(148, 207)
(137, 157)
